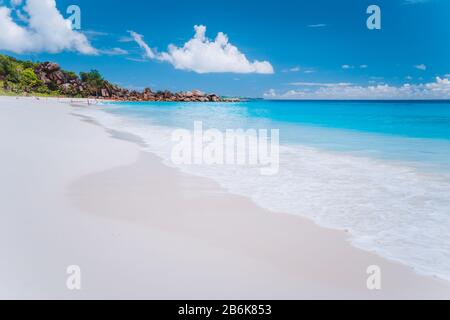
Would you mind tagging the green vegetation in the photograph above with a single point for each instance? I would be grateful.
(93, 78)
(30, 78)
(71, 75)
(18, 77)
(9, 69)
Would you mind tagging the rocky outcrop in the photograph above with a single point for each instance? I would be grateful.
(55, 78)
(70, 84)
(116, 93)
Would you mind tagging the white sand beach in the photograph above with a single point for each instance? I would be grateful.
(73, 193)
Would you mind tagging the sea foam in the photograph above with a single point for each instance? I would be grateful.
(388, 207)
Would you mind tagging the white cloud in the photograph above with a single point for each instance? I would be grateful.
(271, 94)
(440, 89)
(92, 34)
(126, 39)
(319, 25)
(294, 69)
(140, 41)
(137, 59)
(421, 67)
(299, 69)
(46, 30)
(114, 52)
(202, 55)
(347, 66)
(320, 84)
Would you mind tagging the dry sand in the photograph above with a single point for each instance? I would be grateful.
(74, 194)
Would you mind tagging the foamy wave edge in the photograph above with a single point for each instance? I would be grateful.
(416, 243)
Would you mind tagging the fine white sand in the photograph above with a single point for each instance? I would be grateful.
(72, 193)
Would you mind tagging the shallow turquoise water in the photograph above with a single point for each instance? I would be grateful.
(380, 170)
(404, 131)
(408, 119)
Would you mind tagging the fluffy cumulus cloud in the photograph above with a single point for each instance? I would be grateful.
(439, 89)
(43, 29)
(203, 55)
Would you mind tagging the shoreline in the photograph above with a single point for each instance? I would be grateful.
(161, 233)
(324, 185)
(51, 80)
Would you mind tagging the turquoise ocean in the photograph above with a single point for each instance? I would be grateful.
(377, 169)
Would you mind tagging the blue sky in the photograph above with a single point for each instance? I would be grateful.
(307, 43)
